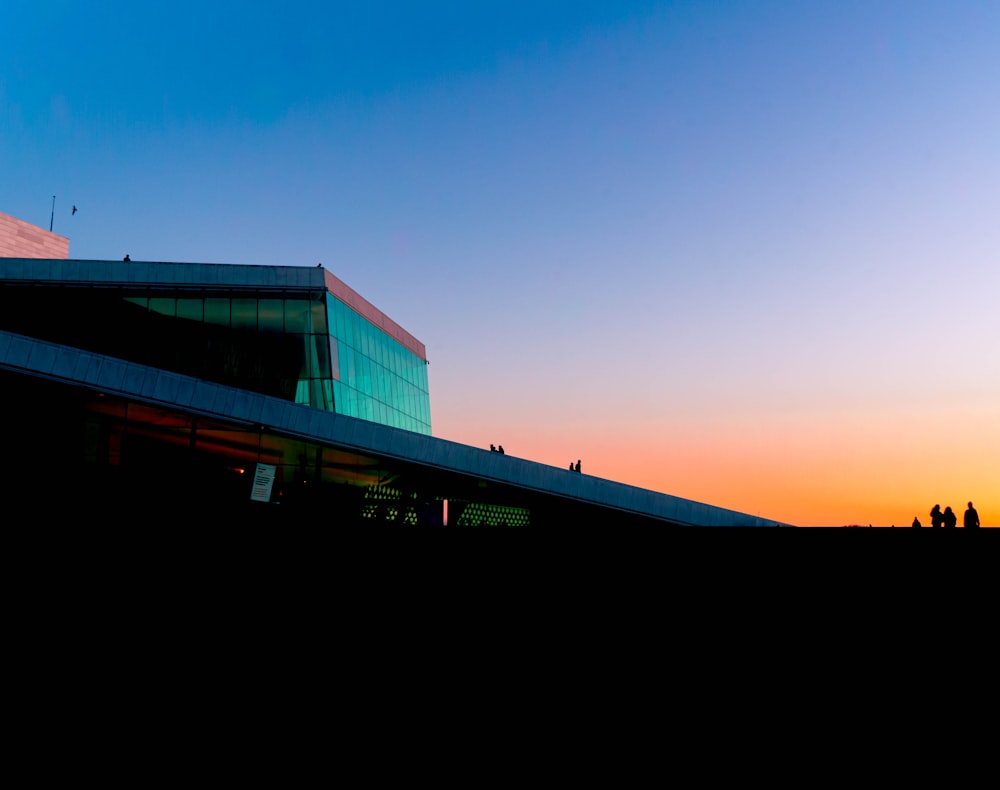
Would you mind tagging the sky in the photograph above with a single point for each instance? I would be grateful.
(744, 252)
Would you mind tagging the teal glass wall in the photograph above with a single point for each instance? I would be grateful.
(374, 376)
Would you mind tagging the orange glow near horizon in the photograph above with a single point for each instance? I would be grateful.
(882, 467)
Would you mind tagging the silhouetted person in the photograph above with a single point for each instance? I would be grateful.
(949, 517)
(916, 522)
(500, 449)
(971, 518)
(571, 466)
(937, 520)
(126, 259)
(493, 448)
(577, 464)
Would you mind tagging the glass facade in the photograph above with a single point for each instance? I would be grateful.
(303, 345)
(374, 376)
(130, 460)
(276, 344)
(72, 450)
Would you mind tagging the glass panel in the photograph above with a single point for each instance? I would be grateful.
(146, 422)
(191, 309)
(301, 455)
(331, 314)
(239, 445)
(163, 305)
(319, 399)
(302, 391)
(271, 315)
(351, 402)
(334, 359)
(365, 378)
(217, 311)
(322, 352)
(244, 314)
(338, 311)
(352, 368)
(393, 390)
(345, 333)
(328, 401)
(305, 371)
(318, 317)
(295, 315)
(274, 449)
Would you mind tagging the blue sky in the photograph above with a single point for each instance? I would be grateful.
(669, 232)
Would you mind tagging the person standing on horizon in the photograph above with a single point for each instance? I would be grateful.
(949, 517)
(971, 518)
(937, 519)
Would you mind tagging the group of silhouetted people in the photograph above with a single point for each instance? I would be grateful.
(574, 467)
(494, 449)
(948, 520)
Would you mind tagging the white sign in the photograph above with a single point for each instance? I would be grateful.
(263, 481)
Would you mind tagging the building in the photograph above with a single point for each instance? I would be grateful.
(21, 239)
(189, 391)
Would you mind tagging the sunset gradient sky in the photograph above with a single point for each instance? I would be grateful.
(743, 252)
